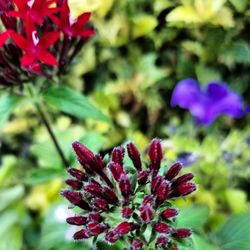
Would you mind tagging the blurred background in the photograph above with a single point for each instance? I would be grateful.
(129, 70)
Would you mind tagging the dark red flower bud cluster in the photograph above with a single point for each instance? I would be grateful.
(38, 35)
(120, 203)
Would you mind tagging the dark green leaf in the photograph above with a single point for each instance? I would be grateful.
(73, 103)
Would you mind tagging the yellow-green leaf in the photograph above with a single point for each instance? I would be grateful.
(185, 14)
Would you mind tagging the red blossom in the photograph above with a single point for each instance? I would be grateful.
(73, 27)
(36, 9)
(35, 48)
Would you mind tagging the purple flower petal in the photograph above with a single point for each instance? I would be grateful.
(248, 109)
(207, 105)
(185, 93)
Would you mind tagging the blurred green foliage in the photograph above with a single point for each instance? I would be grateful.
(142, 48)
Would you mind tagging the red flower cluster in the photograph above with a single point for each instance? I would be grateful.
(39, 34)
(122, 202)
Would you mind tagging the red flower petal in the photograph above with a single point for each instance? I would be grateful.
(3, 37)
(47, 58)
(19, 40)
(48, 39)
(27, 59)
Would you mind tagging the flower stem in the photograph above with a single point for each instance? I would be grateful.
(51, 133)
(47, 125)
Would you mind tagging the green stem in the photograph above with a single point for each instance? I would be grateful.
(51, 133)
(47, 125)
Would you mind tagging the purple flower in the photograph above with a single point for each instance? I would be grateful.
(248, 109)
(206, 105)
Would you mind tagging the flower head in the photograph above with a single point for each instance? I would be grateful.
(38, 39)
(206, 105)
(117, 207)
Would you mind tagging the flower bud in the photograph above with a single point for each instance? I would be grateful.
(109, 195)
(146, 213)
(83, 153)
(134, 155)
(183, 189)
(76, 220)
(148, 200)
(143, 177)
(95, 189)
(125, 185)
(96, 228)
(162, 192)
(182, 233)
(111, 237)
(82, 234)
(173, 171)
(76, 199)
(169, 213)
(182, 179)
(116, 170)
(127, 212)
(156, 182)
(74, 184)
(162, 228)
(78, 174)
(162, 241)
(101, 204)
(99, 168)
(94, 217)
(123, 228)
(155, 155)
(136, 245)
(118, 155)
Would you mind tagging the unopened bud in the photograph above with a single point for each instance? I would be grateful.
(76, 220)
(173, 171)
(182, 233)
(169, 213)
(82, 234)
(182, 179)
(162, 228)
(118, 155)
(74, 184)
(76, 199)
(134, 155)
(78, 174)
(116, 170)
(155, 155)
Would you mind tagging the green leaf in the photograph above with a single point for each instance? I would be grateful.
(235, 233)
(239, 52)
(73, 103)
(12, 239)
(9, 196)
(185, 14)
(239, 5)
(237, 200)
(200, 243)
(207, 74)
(193, 217)
(7, 105)
(43, 175)
(93, 141)
(143, 24)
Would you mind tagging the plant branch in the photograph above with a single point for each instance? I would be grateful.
(52, 135)
(47, 125)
